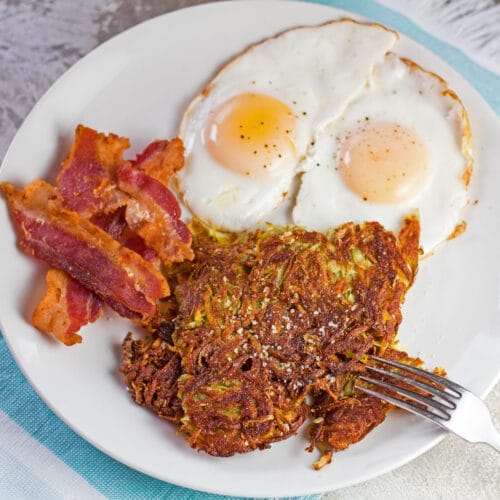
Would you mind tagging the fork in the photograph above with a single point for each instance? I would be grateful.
(453, 407)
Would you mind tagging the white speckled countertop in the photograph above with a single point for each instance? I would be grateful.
(39, 40)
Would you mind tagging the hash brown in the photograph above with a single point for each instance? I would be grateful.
(268, 328)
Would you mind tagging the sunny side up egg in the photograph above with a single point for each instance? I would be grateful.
(328, 119)
(247, 133)
(403, 144)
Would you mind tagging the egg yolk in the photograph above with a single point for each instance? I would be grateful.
(251, 134)
(384, 163)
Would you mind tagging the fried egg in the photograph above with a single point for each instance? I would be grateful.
(249, 130)
(403, 144)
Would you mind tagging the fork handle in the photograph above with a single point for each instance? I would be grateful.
(485, 431)
(492, 438)
(473, 422)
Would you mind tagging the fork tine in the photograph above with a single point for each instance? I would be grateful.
(424, 373)
(401, 403)
(417, 383)
(413, 395)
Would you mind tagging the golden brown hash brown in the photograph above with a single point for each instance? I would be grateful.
(261, 321)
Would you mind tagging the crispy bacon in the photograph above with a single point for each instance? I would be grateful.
(83, 175)
(66, 307)
(88, 202)
(86, 177)
(161, 159)
(153, 213)
(66, 240)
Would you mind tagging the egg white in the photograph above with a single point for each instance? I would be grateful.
(401, 93)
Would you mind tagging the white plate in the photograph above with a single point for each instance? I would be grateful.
(137, 85)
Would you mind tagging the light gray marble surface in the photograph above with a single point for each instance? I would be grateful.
(39, 40)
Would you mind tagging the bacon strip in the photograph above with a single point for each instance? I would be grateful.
(65, 240)
(85, 184)
(161, 159)
(153, 213)
(85, 180)
(66, 307)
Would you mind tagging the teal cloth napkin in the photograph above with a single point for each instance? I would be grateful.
(31, 433)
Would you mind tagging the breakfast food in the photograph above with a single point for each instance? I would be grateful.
(268, 328)
(67, 241)
(246, 133)
(105, 229)
(326, 120)
(66, 307)
(402, 143)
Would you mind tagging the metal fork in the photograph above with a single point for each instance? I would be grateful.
(454, 408)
